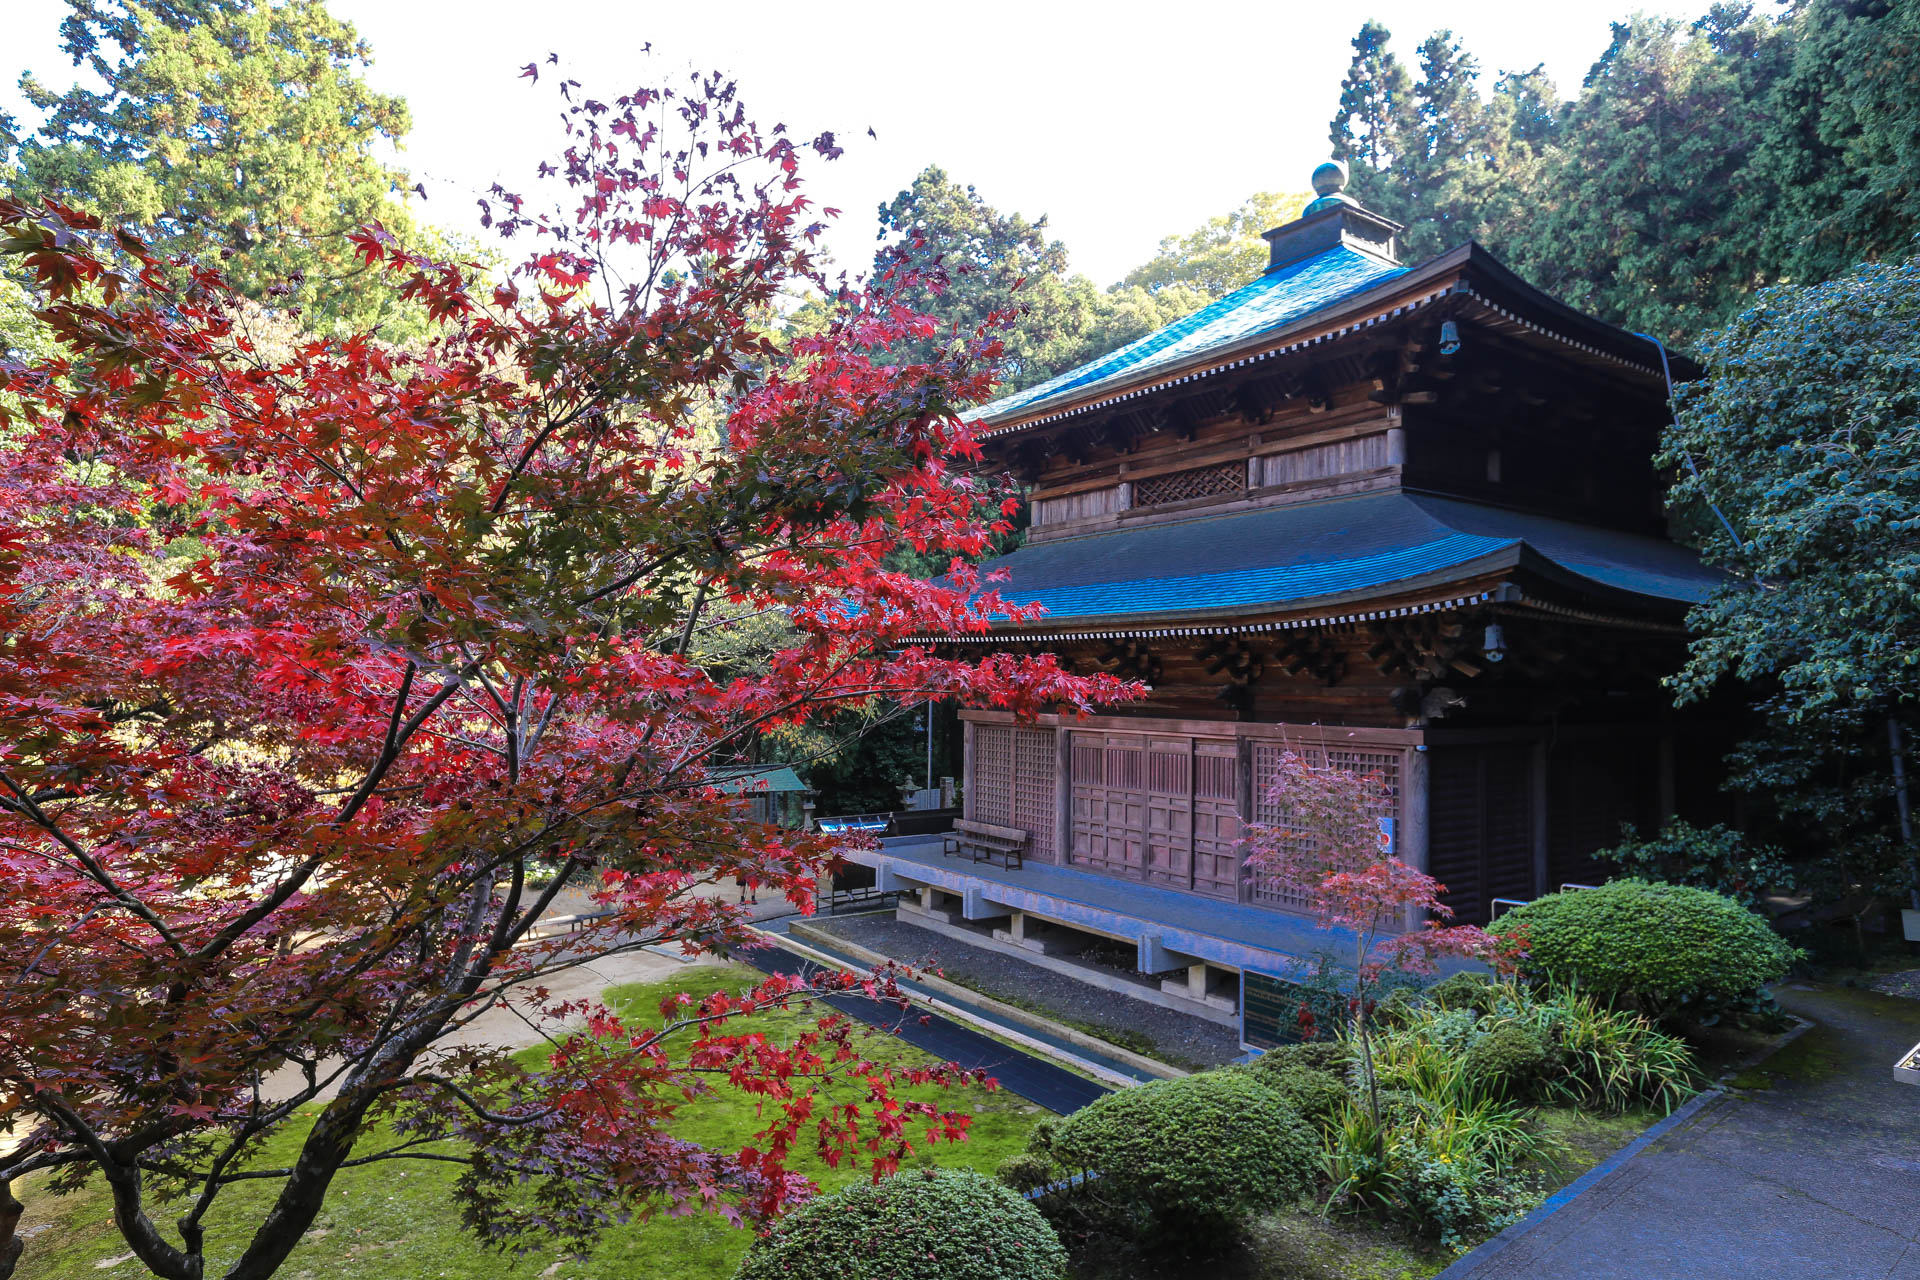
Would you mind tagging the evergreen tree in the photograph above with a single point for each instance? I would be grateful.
(1842, 143)
(228, 127)
(1644, 206)
(1374, 121)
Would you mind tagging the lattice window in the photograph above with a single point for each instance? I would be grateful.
(1033, 788)
(1182, 486)
(990, 798)
(1384, 765)
(1167, 772)
(1012, 782)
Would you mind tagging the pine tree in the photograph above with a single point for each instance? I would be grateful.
(229, 128)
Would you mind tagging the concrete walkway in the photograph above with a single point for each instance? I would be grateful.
(1810, 1171)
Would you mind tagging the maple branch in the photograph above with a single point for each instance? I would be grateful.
(24, 805)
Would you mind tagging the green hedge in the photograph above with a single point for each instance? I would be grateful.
(1181, 1163)
(1673, 952)
(949, 1225)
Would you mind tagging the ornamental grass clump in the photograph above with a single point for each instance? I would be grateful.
(1680, 955)
(945, 1225)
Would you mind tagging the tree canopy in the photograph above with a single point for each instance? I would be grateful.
(1697, 163)
(234, 130)
(330, 664)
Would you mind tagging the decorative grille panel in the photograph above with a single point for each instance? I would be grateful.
(1267, 811)
(1033, 793)
(1213, 777)
(1012, 773)
(990, 798)
(1200, 482)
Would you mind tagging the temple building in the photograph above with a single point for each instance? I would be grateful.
(1403, 517)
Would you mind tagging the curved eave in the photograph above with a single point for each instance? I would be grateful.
(1516, 579)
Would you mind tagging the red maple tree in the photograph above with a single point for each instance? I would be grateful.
(1327, 847)
(326, 667)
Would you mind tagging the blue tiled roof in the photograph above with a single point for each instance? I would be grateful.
(1275, 299)
(1296, 556)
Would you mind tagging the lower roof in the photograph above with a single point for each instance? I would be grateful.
(1335, 552)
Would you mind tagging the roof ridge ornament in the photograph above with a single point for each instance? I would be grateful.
(1334, 218)
(1329, 185)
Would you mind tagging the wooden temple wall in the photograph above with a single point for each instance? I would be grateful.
(1492, 814)
(1161, 802)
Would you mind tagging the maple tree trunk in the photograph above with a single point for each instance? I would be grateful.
(328, 1144)
(10, 1243)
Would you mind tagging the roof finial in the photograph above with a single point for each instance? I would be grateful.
(1329, 183)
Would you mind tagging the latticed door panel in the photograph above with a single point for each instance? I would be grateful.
(1169, 812)
(1011, 782)
(1216, 819)
(1593, 787)
(1033, 789)
(1109, 804)
(990, 780)
(1383, 766)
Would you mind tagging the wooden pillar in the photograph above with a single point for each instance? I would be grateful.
(1412, 836)
(1542, 822)
(1062, 796)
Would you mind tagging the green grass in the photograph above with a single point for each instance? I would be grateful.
(397, 1221)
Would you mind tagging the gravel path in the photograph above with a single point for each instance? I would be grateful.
(1176, 1038)
(1899, 984)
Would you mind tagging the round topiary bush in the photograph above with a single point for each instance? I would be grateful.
(1670, 951)
(1465, 990)
(1182, 1162)
(925, 1225)
(1313, 1093)
(1508, 1060)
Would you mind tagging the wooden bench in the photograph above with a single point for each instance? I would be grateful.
(983, 842)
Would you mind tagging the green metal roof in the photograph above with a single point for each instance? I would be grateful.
(1276, 299)
(1332, 551)
(756, 779)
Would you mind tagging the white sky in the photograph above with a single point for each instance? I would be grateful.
(1120, 122)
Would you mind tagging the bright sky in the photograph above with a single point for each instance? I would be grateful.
(1120, 123)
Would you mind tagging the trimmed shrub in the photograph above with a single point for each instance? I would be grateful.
(1182, 1162)
(927, 1225)
(1673, 952)
(1467, 990)
(1510, 1060)
(1312, 1093)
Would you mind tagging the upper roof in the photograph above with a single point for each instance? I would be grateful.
(1322, 554)
(1269, 303)
(1331, 272)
